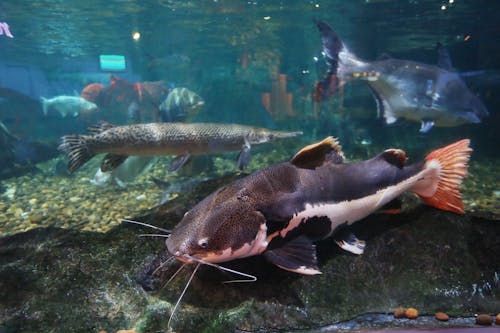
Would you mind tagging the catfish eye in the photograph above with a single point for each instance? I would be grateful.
(203, 243)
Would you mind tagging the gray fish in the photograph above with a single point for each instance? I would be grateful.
(67, 105)
(432, 95)
(125, 172)
(157, 139)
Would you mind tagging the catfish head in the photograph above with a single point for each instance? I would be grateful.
(222, 227)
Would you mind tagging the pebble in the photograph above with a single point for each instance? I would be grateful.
(126, 331)
(497, 319)
(441, 316)
(399, 312)
(411, 313)
(484, 319)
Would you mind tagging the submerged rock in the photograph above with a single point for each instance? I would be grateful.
(60, 280)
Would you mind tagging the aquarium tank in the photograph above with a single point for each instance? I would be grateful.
(249, 166)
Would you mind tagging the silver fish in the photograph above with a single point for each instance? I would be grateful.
(125, 172)
(67, 105)
(159, 139)
(432, 95)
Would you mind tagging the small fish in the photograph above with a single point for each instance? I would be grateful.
(67, 105)
(158, 139)
(181, 103)
(125, 172)
(432, 95)
(279, 211)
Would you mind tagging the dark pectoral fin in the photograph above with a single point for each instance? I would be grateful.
(297, 255)
(179, 162)
(112, 161)
(316, 154)
(351, 243)
(243, 157)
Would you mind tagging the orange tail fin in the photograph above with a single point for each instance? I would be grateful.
(450, 163)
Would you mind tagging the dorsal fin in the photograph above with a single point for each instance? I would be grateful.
(444, 59)
(101, 127)
(314, 155)
(395, 157)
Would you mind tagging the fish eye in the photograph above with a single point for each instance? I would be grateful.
(203, 243)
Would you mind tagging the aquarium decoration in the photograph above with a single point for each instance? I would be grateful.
(112, 62)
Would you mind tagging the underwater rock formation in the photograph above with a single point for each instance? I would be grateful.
(61, 280)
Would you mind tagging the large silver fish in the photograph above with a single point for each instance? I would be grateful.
(157, 139)
(432, 95)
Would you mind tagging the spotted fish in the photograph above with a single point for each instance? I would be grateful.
(431, 95)
(280, 211)
(158, 139)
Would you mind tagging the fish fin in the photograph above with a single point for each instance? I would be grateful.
(119, 182)
(100, 127)
(163, 185)
(112, 161)
(314, 155)
(383, 107)
(392, 207)
(332, 45)
(77, 149)
(442, 176)
(243, 159)
(297, 255)
(45, 106)
(444, 59)
(352, 244)
(396, 157)
(179, 162)
(426, 126)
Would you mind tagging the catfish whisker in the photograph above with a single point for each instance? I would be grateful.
(183, 292)
(148, 225)
(251, 278)
(175, 274)
(154, 235)
(162, 264)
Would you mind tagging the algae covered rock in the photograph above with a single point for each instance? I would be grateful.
(66, 281)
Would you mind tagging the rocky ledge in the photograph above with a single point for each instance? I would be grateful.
(62, 280)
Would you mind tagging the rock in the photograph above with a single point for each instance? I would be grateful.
(399, 312)
(484, 319)
(441, 316)
(411, 313)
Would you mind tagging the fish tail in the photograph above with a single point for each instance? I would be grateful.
(341, 64)
(77, 149)
(444, 171)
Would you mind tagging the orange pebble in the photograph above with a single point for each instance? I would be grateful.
(399, 312)
(441, 316)
(411, 313)
(484, 319)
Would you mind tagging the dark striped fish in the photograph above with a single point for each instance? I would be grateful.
(156, 139)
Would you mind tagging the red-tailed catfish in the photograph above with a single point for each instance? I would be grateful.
(280, 211)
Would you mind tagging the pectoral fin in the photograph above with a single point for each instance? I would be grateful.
(179, 162)
(352, 244)
(298, 255)
(426, 126)
(314, 155)
(112, 161)
(243, 157)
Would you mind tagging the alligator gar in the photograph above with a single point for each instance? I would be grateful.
(157, 139)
